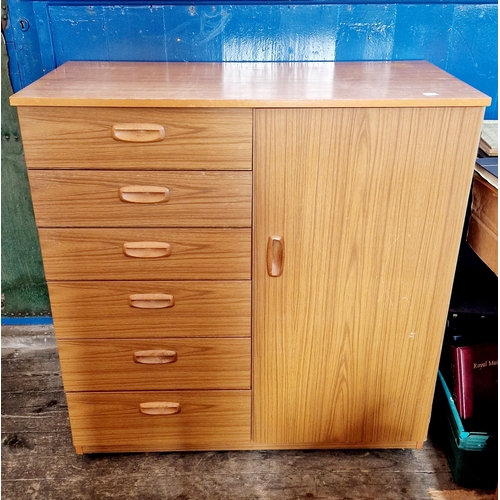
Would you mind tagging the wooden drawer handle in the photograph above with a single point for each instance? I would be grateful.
(144, 194)
(151, 300)
(138, 132)
(275, 256)
(147, 249)
(160, 408)
(155, 357)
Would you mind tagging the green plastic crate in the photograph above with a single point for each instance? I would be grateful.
(472, 456)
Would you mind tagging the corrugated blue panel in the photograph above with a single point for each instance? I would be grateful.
(460, 38)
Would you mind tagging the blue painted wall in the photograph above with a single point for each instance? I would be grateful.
(458, 37)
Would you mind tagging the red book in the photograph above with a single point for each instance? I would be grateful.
(474, 373)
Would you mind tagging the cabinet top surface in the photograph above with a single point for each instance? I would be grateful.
(341, 84)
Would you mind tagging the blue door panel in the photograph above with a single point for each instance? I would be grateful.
(22, 43)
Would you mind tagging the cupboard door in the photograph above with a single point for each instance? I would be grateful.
(358, 218)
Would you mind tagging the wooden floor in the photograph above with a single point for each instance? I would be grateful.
(38, 459)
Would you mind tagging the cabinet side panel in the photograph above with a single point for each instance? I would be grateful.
(370, 204)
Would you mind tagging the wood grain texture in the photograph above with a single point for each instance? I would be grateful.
(370, 203)
(150, 195)
(312, 84)
(151, 300)
(107, 365)
(207, 418)
(39, 459)
(80, 138)
(97, 254)
(147, 249)
(482, 233)
(365, 181)
(100, 309)
(138, 132)
(155, 356)
(197, 199)
(246, 445)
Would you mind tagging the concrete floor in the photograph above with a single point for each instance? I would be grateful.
(38, 459)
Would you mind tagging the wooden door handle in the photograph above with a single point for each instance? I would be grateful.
(138, 132)
(160, 408)
(151, 300)
(147, 249)
(275, 256)
(144, 194)
(155, 357)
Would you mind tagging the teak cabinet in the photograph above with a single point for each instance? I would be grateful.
(249, 255)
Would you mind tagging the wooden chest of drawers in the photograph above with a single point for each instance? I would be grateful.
(249, 255)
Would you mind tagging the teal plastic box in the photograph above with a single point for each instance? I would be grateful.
(472, 456)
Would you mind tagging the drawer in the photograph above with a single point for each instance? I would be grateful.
(64, 198)
(145, 138)
(162, 364)
(93, 310)
(203, 420)
(145, 254)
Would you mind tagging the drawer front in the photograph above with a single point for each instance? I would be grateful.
(64, 198)
(201, 419)
(137, 138)
(166, 364)
(145, 254)
(89, 309)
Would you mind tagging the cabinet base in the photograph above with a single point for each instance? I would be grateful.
(80, 450)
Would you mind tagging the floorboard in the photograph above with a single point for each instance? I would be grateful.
(39, 462)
